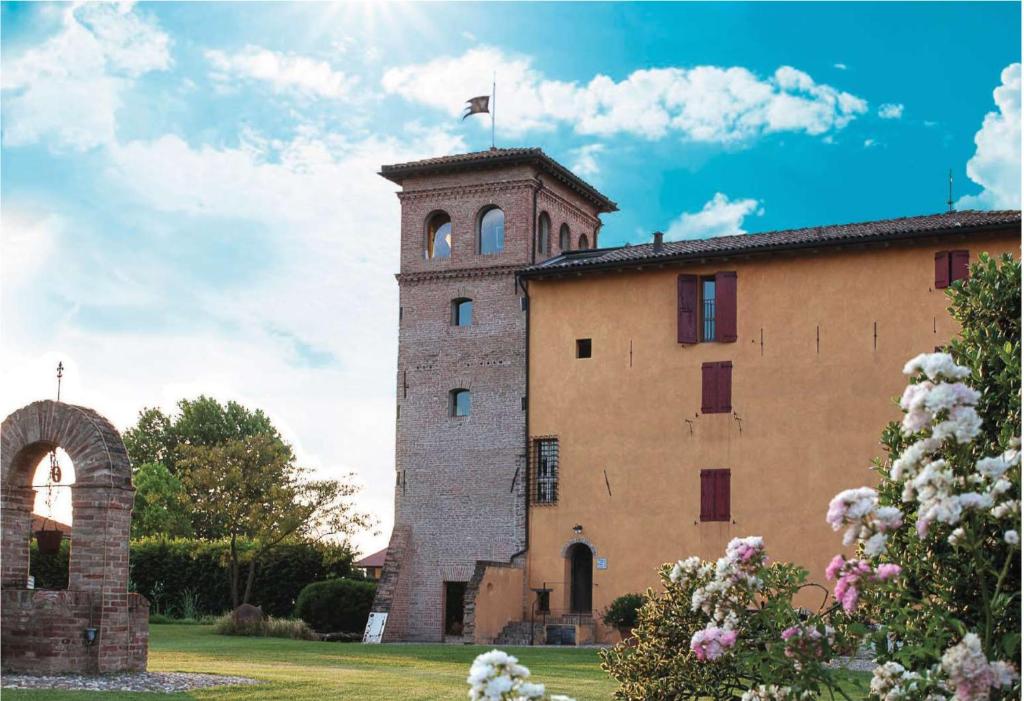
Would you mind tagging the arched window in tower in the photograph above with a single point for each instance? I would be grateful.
(584, 243)
(439, 236)
(459, 402)
(544, 233)
(462, 311)
(492, 231)
(564, 238)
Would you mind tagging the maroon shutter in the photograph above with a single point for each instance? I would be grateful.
(941, 269)
(725, 306)
(687, 311)
(707, 495)
(708, 388)
(722, 495)
(724, 386)
(959, 263)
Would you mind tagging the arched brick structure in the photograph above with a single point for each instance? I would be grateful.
(44, 631)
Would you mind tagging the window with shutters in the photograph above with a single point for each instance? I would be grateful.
(545, 457)
(714, 495)
(459, 402)
(716, 388)
(707, 308)
(951, 266)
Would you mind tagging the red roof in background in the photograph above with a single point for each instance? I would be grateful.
(374, 560)
(40, 523)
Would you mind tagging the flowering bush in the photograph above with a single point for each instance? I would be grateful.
(726, 629)
(498, 676)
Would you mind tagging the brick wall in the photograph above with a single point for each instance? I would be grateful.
(460, 487)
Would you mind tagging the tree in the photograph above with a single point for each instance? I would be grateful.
(160, 504)
(159, 439)
(202, 421)
(250, 488)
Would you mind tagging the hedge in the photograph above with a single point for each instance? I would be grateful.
(168, 572)
(336, 605)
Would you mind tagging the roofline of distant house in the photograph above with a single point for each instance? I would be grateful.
(396, 173)
(660, 260)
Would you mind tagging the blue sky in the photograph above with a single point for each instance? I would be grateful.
(190, 198)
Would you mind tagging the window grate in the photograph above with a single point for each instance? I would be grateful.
(545, 489)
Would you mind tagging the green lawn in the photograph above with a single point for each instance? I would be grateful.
(314, 671)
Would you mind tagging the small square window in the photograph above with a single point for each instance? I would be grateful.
(460, 402)
(583, 348)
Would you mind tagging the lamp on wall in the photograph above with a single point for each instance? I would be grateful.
(577, 529)
(90, 636)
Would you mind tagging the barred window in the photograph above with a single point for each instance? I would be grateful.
(546, 489)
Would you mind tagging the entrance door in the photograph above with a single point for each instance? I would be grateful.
(581, 578)
(454, 610)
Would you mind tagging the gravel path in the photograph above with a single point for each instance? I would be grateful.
(160, 682)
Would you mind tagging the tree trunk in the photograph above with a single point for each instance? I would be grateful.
(234, 574)
(250, 578)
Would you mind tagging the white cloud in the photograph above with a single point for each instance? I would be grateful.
(996, 163)
(704, 103)
(840, 66)
(719, 216)
(284, 72)
(890, 111)
(584, 160)
(69, 87)
(870, 143)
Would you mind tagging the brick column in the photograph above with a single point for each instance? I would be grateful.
(16, 504)
(99, 565)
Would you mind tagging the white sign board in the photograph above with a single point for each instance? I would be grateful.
(375, 628)
(602, 563)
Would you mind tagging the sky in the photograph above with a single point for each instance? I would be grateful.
(190, 198)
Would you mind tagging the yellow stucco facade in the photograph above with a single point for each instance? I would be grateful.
(822, 339)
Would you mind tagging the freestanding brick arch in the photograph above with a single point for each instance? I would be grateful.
(45, 631)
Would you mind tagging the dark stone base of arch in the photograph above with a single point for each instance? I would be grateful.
(44, 632)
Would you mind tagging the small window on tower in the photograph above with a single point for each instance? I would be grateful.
(492, 231)
(439, 236)
(460, 402)
(583, 347)
(544, 233)
(564, 238)
(584, 242)
(462, 312)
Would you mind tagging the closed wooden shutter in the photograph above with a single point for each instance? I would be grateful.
(959, 264)
(725, 306)
(723, 385)
(687, 308)
(709, 388)
(941, 269)
(707, 495)
(722, 495)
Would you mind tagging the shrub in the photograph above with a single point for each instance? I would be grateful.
(269, 627)
(336, 605)
(621, 613)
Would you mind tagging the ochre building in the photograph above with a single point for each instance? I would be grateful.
(599, 412)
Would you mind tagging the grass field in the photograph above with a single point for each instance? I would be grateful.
(315, 671)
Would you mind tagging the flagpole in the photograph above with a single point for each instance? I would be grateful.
(494, 94)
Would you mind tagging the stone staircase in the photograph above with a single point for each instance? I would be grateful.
(518, 633)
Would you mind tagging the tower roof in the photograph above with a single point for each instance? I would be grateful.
(496, 157)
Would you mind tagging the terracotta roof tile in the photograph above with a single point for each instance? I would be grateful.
(810, 237)
(374, 560)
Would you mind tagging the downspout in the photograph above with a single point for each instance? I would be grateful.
(526, 427)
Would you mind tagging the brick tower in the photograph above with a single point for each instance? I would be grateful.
(469, 221)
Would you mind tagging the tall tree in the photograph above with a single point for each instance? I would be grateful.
(251, 489)
(160, 504)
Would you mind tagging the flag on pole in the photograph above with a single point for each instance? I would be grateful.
(477, 105)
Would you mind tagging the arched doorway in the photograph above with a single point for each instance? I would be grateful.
(581, 578)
